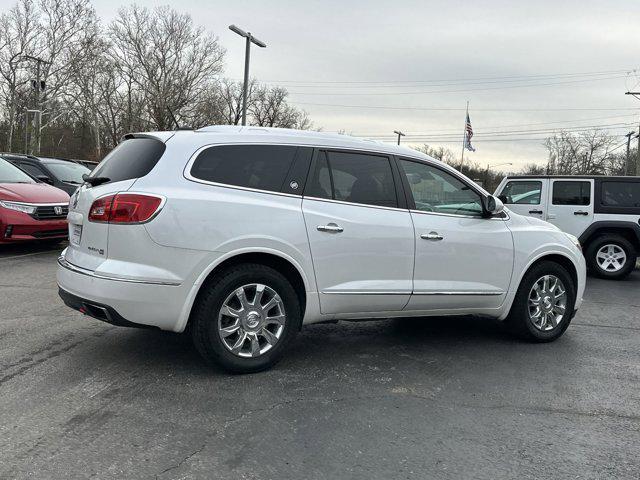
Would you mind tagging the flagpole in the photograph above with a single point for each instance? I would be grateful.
(464, 135)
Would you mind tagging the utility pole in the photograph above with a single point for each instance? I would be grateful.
(626, 163)
(38, 85)
(247, 53)
(400, 134)
(631, 166)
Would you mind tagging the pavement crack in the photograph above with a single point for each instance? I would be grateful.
(183, 461)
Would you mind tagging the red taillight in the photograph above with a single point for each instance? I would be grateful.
(101, 209)
(124, 208)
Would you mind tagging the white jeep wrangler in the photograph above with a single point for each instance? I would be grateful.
(603, 212)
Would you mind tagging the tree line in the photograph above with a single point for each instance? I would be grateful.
(593, 152)
(99, 82)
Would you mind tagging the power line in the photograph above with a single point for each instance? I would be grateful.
(439, 109)
(512, 126)
(541, 76)
(524, 139)
(489, 136)
(454, 83)
(425, 92)
(577, 128)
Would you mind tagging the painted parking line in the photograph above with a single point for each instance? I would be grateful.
(26, 255)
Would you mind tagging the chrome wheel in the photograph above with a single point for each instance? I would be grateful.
(547, 303)
(611, 258)
(251, 320)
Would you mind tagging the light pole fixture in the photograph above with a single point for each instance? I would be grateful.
(400, 134)
(245, 86)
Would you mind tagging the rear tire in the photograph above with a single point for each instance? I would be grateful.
(611, 256)
(245, 318)
(535, 312)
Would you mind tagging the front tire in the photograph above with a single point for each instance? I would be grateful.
(245, 318)
(544, 304)
(611, 256)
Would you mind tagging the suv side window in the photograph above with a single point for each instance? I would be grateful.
(522, 193)
(621, 194)
(435, 190)
(355, 178)
(571, 193)
(263, 167)
(31, 169)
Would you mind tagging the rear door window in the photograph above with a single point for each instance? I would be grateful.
(133, 158)
(262, 167)
(355, 178)
(571, 193)
(621, 194)
(522, 193)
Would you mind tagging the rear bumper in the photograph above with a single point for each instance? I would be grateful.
(20, 227)
(97, 311)
(121, 302)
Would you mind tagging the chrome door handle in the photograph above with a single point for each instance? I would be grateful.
(431, 236)
(580, 212)
(331, 228)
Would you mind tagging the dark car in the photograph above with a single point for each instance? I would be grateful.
(63, 174)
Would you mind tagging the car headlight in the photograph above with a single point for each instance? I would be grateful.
(574, 240)
(18, 207)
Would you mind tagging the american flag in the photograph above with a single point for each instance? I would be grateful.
(468, 134)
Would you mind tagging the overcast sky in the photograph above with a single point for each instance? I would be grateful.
(462, 50)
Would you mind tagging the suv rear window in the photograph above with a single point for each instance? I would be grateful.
(263, 167)
(133, 158)
(621, 194)
(571, 193)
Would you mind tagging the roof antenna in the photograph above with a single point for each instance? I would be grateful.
(173, 117)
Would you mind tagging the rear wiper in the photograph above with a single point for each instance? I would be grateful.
(95, 181)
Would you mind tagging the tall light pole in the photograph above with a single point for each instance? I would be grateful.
(400, 134)
(247, 53)
(38, 86)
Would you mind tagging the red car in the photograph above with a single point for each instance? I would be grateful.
(30, 210)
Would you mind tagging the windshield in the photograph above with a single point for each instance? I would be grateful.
(68, 172)
(12, 174)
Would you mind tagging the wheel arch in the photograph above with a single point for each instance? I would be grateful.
(557, 256)
(561, 260)
(628, 230)
(276, 260)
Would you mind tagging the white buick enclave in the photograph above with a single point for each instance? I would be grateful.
(242, 235)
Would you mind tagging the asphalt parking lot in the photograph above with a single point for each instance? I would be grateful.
(424, 398)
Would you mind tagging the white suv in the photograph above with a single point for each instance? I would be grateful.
(241, 235)
(603, 212)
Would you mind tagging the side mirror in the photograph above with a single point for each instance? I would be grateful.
(45, 179)
(503, 198)
(493, 205)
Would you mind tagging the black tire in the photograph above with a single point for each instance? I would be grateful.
(519, 321)
(620, 242)
(204, 318)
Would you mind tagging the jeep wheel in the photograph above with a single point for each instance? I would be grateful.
(245, 318)
(611, 256)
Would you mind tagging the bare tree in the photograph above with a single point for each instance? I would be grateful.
(439, 153)
(269, 108)
(170, 60)
(584, 153)
(19, 28)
